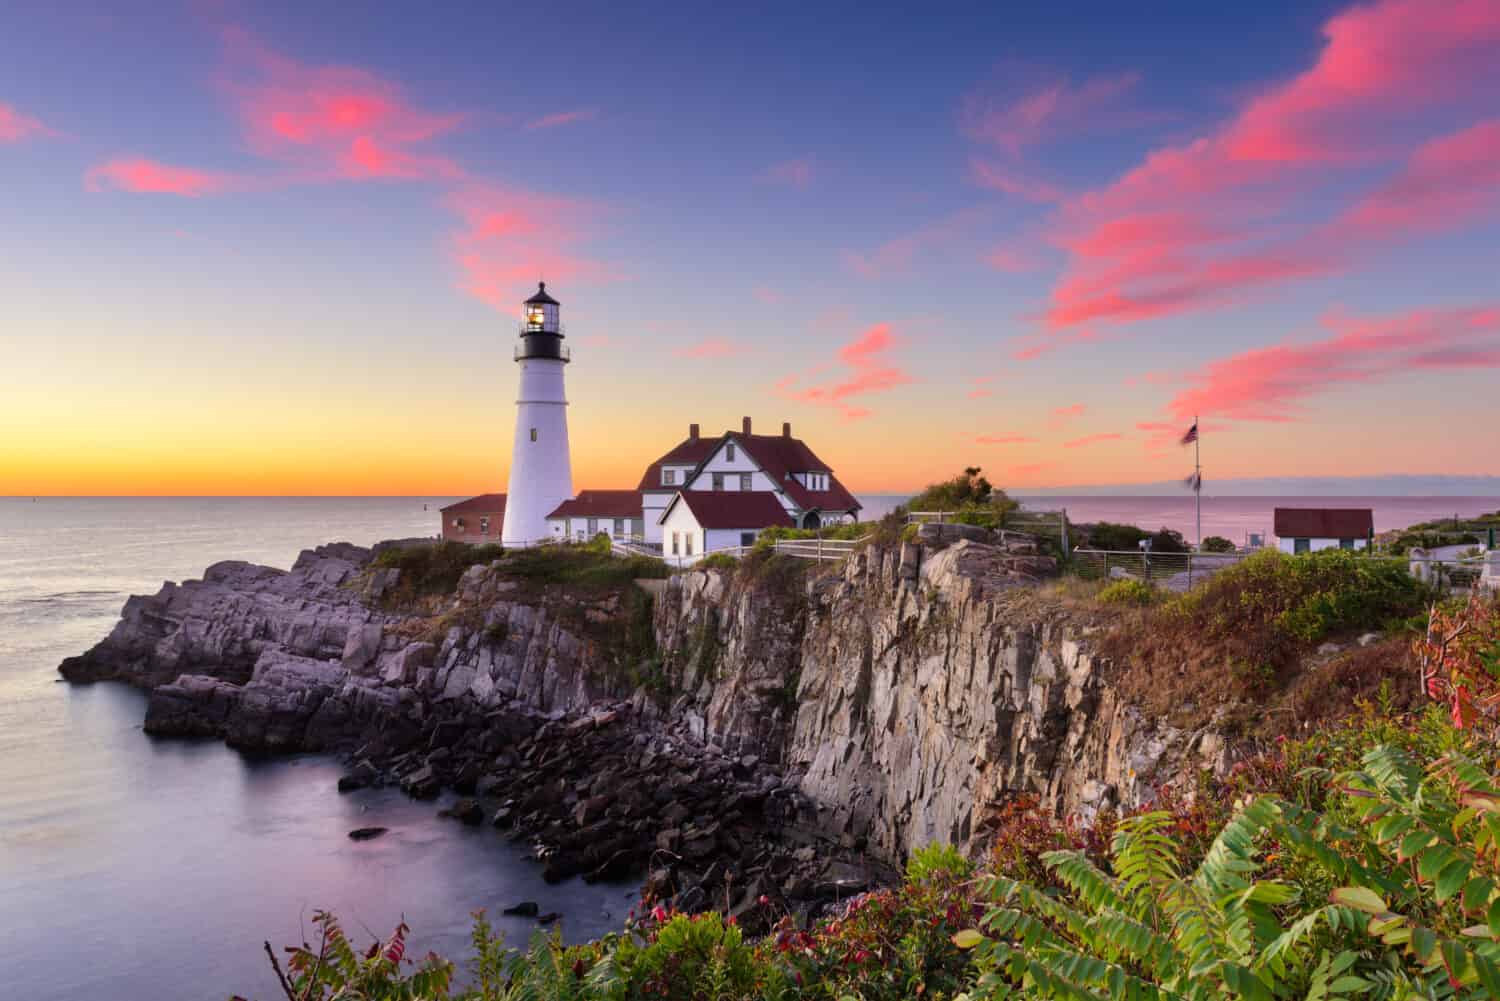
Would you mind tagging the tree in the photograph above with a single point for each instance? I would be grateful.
(1217, 544)
(969, 495)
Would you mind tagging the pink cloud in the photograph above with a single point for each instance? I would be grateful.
(768, 295)
(1276, 383)
(999, 178)
(900, 253)
(1448, 181)
(712, 347)
(1003, 438)
(143, 176)
(980, 394)
(867, 370)
(1045, 111)
(16, 127)
(511, 239)
(1013, 260)
(796, 173)
(564, 118)
(1092, 439)
(1069, 412)
(1214, 220)
(333, 121)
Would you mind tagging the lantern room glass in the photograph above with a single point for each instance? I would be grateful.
(541, 317)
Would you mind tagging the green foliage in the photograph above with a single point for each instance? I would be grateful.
(937, 859)
(1389, 892)
(1113, 537)
(432, 569)
(600, 544)
(579, 568)
(968, 498)
(718, 561)
(1129, 591)
(1217, 544)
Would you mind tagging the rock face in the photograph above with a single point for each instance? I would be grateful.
(930, 686)
(788, 720)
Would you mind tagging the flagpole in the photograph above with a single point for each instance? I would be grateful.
(1198, 477)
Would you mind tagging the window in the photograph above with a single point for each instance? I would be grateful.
(747, 538)
(729, 452)
(484, 526)
(593, 527)
(668, 477)
(674, 543)
(621, 526)
(458, 523)
(687, 541)
(718, 481)
(533, 434)
(1346, 543)
(1301, 545)
(744, 481)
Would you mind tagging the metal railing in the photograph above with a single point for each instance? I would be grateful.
(1175, 571)
(1023, 522)
(563, 352)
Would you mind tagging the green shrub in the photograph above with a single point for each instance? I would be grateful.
(718, 561)
(937, 859)
(433, 569)
(1128, 591)
(968, 498)
(1217, 544)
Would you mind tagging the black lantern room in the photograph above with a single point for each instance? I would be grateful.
(541, 333)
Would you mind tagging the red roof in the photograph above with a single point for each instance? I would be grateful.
(689, 452)
(732, 508)
(780, 456)
(1324, 522)
(484, 504)
(600, 504)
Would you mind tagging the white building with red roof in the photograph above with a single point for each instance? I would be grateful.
(780, 466)
(616, 513)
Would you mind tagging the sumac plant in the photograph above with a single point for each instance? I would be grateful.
(1459, 659)
(1392, 892)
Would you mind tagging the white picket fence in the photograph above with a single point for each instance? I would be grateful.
(802, 549)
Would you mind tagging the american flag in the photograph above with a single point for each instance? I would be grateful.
(1191, 435)
(1194, 482)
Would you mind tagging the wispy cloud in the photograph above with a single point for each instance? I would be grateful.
(16, 127)
(143, 176)
(564, 118)
(1003, 438)
(1093, 439)
(1278, 383)
(1022, 106)
(797, 173)
(712, 347)
(867, 370)
(899, 253)
(512, 238)
(1208, 222)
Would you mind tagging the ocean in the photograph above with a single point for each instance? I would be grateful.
(142, 870)
(136, 869)
(1234, 518)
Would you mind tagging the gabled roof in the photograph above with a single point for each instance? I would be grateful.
(781, 455)
(744, 509)
(1324, 522)
(484, 504)
(688, 452)
(600, 504)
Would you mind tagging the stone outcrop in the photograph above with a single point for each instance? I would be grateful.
(790, 718)
(930, 686)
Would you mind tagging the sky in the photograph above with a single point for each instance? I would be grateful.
(280, 248)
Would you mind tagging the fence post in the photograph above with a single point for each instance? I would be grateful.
(1064, 530)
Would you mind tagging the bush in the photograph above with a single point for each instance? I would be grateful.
(718, 561)
(937, 859)
(968, 497)
(433, 569)
(1217, 544)
(1129, 591)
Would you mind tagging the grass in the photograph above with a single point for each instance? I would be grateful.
(1247, 635)
(431, 570)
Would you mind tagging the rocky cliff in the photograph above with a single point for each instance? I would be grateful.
(897, 697)
(914, 689)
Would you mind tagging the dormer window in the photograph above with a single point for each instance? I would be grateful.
(668, 477)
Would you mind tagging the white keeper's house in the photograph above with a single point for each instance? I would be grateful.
(780, 467)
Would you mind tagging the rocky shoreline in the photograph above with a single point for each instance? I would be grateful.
(599, 785)
(778, 733)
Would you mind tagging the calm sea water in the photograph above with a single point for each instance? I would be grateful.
(134, 869)
(1232, 517)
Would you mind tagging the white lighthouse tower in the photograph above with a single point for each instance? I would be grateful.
(541, 470)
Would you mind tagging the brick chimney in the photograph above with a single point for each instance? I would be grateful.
(786, 429)
(692, 432)
(746, 425)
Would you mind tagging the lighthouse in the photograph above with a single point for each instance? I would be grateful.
(541, 470)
